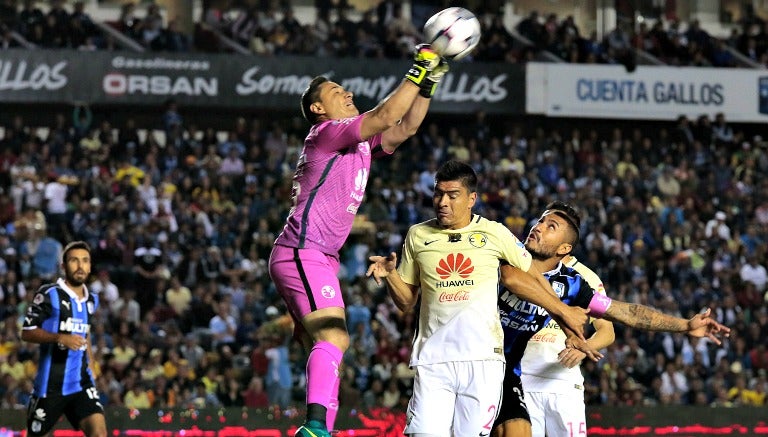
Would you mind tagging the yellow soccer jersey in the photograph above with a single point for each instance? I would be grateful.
(458, 274)
(541, 370)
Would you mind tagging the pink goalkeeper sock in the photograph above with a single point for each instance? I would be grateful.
(323, 374)
(333, 406)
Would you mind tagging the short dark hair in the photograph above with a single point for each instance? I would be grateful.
(72, 246)
(310, 96)
(569, 214)
(457, 171)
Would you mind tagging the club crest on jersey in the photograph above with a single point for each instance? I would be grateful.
(364, 148)
(478, 239)
(328, 292)
(559, 288)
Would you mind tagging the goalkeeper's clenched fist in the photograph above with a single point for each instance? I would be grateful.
(427, 69)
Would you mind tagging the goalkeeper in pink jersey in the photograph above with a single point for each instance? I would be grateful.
(328, 187)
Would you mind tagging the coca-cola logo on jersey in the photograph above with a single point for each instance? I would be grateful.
(459, 296)
(546, 337)
(21, 75)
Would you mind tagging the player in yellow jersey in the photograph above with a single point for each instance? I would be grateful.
(452, 264)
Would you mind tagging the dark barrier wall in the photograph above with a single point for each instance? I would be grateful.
(676, 421)
(236, 81)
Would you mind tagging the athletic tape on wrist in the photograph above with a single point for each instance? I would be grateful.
(428, 88)
(599, 305)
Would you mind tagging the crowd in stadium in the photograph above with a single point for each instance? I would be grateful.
(675, 217)
(385, 31)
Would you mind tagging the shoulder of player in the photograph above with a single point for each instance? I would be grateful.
(491, 228)
(586, 273)
(48, 288)
(589, 277)
(565, 270)
(427, 227)
(319, 129)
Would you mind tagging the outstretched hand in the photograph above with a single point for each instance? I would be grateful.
(701, 325)
(425, 56)
(571, 357)
(381, 266)
(572, 342)
(572, 321)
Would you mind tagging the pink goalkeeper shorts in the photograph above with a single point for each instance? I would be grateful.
(306, 279)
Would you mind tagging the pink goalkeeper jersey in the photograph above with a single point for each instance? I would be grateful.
(329, 185)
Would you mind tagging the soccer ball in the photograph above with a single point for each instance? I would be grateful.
(453, 32)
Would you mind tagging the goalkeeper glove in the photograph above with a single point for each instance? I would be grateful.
(429, 84)
(424, 61)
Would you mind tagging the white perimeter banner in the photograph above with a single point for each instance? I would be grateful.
(653, 93)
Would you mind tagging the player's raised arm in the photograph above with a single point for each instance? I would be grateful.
(390, 111)
(534, 288)
(646, 318)
(392, 137)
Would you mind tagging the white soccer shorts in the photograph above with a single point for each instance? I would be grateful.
(557, 414)
(459, 398)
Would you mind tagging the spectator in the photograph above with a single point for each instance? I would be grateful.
(255, 396)
(136, 397)
(126, 308)
(201, 398)
(148, 271)
(29, 17)
(230, 394)
(44, 251)
(755, 273)
(722, 131)
(56, 206)
(223, 327)
(122, 354)
(278, 377)
(191, 351)
(717, 228)
(151, 26)
(13, 367)
(172, 39)
(178, 297)
(106, 289)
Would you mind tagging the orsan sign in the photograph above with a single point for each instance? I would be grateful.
(159, 77)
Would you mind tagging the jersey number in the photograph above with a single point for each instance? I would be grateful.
(582, 429)
(489, 424)
(92, 393)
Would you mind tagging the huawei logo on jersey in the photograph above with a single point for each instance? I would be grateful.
(454, 263)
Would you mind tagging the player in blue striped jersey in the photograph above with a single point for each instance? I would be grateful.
(59, 320)
(553, 238)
